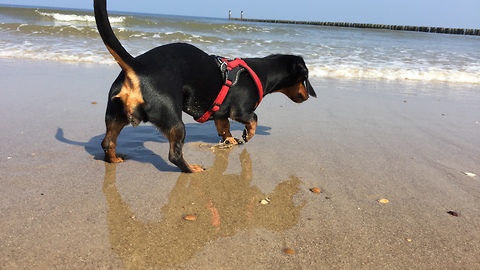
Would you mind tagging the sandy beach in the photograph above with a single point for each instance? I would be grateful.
(417, 145)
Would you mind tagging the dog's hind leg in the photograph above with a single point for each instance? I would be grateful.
(176, 137)
(114, 127)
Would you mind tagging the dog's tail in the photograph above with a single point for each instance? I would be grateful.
(123, 58)
(130, 93)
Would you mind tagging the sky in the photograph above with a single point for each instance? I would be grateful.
(438, 13)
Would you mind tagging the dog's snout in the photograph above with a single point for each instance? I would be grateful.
(300, 97)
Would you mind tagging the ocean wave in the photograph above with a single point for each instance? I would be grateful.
(68, 55)
(60, 17)
(98, 55)
(393, 73)
(50, 31)
(179, 36)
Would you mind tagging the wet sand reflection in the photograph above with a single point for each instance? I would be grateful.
(223, 204)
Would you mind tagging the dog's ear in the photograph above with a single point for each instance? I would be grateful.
(310, 90)
(302, 71)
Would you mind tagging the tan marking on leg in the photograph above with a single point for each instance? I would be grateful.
(250, 127)
(195, 168)
(230, 140)
(109, 143)
(223, 129)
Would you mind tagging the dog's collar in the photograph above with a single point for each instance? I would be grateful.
(231, 70)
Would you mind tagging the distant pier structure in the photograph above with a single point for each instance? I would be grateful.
(426, 29)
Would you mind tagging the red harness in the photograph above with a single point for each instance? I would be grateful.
(229, 81)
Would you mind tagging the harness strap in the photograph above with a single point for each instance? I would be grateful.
(231, 73)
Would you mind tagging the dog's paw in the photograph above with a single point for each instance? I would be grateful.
(115, 160)
(232, 141)
(194, 168)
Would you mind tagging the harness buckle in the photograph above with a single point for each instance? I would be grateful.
(223, 67)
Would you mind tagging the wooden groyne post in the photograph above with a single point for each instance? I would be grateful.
(426, 29)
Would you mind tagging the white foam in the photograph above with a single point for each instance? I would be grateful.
(78, 18)
(395, 73)
(35, 52)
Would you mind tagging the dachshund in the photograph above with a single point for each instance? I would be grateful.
(158, 85)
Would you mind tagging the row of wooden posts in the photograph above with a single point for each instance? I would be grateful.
(427, 29)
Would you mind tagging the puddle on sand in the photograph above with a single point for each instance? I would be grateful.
(223, 205)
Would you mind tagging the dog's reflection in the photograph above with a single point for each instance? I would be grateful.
(224, 204)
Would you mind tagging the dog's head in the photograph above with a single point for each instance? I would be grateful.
(296, 84)
(300, 68)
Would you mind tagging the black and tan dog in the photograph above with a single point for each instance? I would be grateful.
(157, 85)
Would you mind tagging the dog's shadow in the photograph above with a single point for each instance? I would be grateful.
(131, 142)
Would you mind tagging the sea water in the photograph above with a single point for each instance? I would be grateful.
(71, 36)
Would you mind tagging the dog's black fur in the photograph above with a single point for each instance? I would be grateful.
(157, 85)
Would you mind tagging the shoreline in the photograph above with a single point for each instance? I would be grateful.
(359, 141)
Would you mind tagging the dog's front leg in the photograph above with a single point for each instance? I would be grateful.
(250, 127)
(223, 129)
(249, 130)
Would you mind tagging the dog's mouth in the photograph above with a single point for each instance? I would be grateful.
(304, 95)
(299, 98)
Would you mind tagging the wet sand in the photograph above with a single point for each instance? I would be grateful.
(359, 141)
